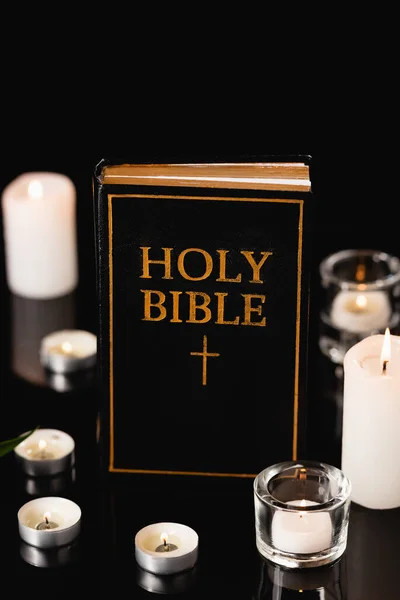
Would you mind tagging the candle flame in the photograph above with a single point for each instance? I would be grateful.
(164, 538)
(66, 346)
(35, 189)
(361, 301)
(42, 444)
(302, 503)
(386, 351)
(360, 272)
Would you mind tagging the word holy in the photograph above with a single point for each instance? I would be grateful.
(199, 307)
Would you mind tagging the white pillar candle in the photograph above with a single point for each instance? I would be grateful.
(39, 221)
(361, 311)
(301, 532)
(371, 421)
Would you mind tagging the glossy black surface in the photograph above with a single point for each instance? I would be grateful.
(221, 511)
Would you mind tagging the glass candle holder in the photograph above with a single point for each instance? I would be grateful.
(361, 298)
(301, 513)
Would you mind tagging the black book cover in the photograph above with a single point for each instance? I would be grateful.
(203, 290)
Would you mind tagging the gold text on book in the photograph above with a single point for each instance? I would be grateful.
(196, 264)
(208, 264)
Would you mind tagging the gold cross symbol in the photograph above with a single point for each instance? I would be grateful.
(205, 355)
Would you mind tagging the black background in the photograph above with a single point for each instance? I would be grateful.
(355, 207)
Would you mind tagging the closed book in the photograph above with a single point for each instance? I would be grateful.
(203, 274)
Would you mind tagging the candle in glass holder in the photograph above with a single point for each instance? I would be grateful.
(39, 221)
(299, 531)
(361, 311)
(301, 513)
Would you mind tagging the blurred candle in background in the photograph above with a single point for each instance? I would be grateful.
(39, 221)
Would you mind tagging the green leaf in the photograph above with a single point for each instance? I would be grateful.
(8, 445)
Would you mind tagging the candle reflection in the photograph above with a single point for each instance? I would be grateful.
(54, 485)
(176, 583)
(372, 553)
(32, 320)
(278, 583)
(50, 558)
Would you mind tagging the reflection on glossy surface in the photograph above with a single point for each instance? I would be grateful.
(48, 559)
(32, 320)
(57, 485)
(166, 584)
(63, 382)
(278, 583)
(373, 553)
(325, 410)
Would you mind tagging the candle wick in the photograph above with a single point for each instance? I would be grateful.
(47, 521)
(385, 362)
(165, 544)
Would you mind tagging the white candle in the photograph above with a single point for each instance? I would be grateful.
(301, 532)
(49, 522)
(39, 223)
(46, 452)
(371, 421)
(361, 311)
(68, 350)
(166, 548)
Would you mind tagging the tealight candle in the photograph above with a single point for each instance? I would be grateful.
(299, 531)
(68, 350)
(166, 548)
(371, 421)
(359, 311)
(49, 522)
(46, 452)
(40, 235)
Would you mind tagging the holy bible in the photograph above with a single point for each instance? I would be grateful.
(203, 288)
